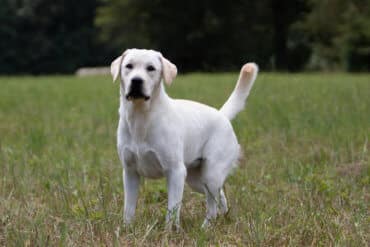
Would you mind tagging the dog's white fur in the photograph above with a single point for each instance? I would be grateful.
(178, 139)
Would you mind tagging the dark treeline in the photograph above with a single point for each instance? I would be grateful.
(42, 36)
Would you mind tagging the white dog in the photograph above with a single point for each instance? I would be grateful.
(178, 139)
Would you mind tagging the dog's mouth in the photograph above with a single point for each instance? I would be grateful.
(136, 96)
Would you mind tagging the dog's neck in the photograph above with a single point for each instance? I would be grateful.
(138, 114)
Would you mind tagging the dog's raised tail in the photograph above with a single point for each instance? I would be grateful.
(235, 103)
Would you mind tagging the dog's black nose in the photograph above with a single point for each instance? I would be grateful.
(137, 81)
(136, 89)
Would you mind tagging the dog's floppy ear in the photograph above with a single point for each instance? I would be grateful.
(115, 67)
(169, 70)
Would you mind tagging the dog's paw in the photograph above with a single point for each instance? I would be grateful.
(128, 223)
(170, 227)
(208, 223)
(128, 227)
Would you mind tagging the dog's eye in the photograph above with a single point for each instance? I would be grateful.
(129, 66)
(150, 68)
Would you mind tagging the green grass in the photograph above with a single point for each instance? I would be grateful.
(304, 180)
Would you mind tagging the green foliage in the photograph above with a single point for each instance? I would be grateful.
(41, 36)
(48, 36)
(339, 30)
(282, 35)
(206, 35)
(304, 181)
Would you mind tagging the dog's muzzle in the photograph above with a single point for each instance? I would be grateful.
(136, 90)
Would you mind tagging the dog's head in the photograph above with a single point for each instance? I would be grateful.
(141, 71)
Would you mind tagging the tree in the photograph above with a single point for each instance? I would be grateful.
(198, 35)
(43, 36)
(339, 34)
(290, 47)
(207, 35)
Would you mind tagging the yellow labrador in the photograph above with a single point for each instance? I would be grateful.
(178, 139)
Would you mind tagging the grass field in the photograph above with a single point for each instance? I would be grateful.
(304, 181)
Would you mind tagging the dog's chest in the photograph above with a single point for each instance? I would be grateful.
(144, 160)
(139, 145)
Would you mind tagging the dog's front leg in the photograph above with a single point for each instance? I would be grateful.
(131, 181)
(175, 185)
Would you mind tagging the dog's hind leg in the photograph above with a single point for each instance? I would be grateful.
(215, 197)
(212, 201)
(213, 178)
(223, 202)
(217, 166)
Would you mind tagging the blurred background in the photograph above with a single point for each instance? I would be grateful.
(60, 36)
